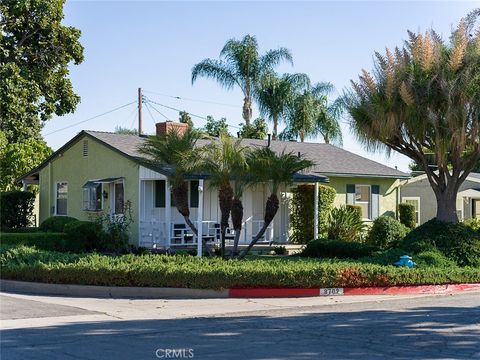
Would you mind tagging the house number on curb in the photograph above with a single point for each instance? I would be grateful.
(331, 291)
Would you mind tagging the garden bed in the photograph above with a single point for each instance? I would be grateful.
(30, 264)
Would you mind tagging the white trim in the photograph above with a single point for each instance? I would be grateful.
(200, 218)
(417, 198)
(315, 212)
(424, 176)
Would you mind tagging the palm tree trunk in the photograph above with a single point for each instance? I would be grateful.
(195, 231)
(180, 199)
(237, 217)
(271, 209)
(275, 127)
(247, 110)
(225, 196)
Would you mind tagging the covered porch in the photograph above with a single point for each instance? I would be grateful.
(162, 226)
(468, 202)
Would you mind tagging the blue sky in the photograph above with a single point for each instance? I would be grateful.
(154, 45)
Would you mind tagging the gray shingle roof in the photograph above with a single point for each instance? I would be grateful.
(329, 159)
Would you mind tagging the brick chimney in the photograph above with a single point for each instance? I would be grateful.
(164, 127)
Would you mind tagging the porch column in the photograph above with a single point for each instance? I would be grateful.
(200, 219)
(24, 185)
(315, 212)
(168, 211)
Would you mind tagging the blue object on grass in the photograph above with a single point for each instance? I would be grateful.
(406, 261)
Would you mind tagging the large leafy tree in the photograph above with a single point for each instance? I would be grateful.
(176, 152)
(256, 130)
(275, 94)
(216, 128)
(241, 65)
(35, 52)
(275, 169)
(224, 161)
(423, 100)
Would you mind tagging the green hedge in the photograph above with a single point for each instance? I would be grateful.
(29, 264)
(386, 232)
(301, 211)
(44, 241)
(339, 249)
(16, 209)
(56, 223)
(407, 215)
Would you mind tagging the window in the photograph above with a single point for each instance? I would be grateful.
(194, 194)
(415, 201)
(159, 193)
(119, 198)
(362, 199)
(61, 192)
(92, 197)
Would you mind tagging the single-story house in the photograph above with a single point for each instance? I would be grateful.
(99, 171)
(418, 192)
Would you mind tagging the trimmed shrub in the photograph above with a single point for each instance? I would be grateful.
(433, 258)
(473, 223)
(22, 230)
(16, 209)
(28, 264)
(345, 224)
(386, 232)
(83, 236)
(301, 211)
(457, 241)
(56, 223)
(40, 240)
(280, 250)
(337, 249)
(407, 215)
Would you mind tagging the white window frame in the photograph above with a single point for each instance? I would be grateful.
(369, 215)
(55, 194)
(417, 198)
(89, 189)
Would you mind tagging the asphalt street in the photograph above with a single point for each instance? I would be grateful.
(405, 327)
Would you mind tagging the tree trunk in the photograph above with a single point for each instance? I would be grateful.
(447, 206)
(275, 128)
(225, 196)
(302, 136)
(247, 110)
(195, 231)
(237, 217)
(271, 209)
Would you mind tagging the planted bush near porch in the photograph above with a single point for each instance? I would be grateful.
(41, 240)
(28, 264)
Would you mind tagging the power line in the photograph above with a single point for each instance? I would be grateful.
(94, 117)
(189, 113)
(195, 100)
(158, 111)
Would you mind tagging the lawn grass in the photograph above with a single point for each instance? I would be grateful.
(31, 264)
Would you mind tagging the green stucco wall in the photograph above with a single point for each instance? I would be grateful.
(388, 191)
(76, 169)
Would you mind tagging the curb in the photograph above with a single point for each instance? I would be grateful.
(392, 290)
(33, 288)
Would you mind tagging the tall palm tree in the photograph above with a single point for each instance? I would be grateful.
(241, 65)
(275, 94)
(176, 151)
(312, 114)
(223, 160)
(276, 170)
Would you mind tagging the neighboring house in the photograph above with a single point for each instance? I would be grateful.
(99, 171)
(418, 192)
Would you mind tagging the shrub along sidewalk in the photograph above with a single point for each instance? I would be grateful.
(30, 264)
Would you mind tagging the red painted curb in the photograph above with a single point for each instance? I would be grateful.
(310, 292)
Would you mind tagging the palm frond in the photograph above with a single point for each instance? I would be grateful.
(215, 69)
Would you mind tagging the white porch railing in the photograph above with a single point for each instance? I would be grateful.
(153, 234)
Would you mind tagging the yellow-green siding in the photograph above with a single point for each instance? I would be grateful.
(388, 191)
(76, 169)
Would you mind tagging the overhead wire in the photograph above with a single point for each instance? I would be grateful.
(191, 99)
(89, 119)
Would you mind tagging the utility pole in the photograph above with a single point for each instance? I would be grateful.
(140, 100)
